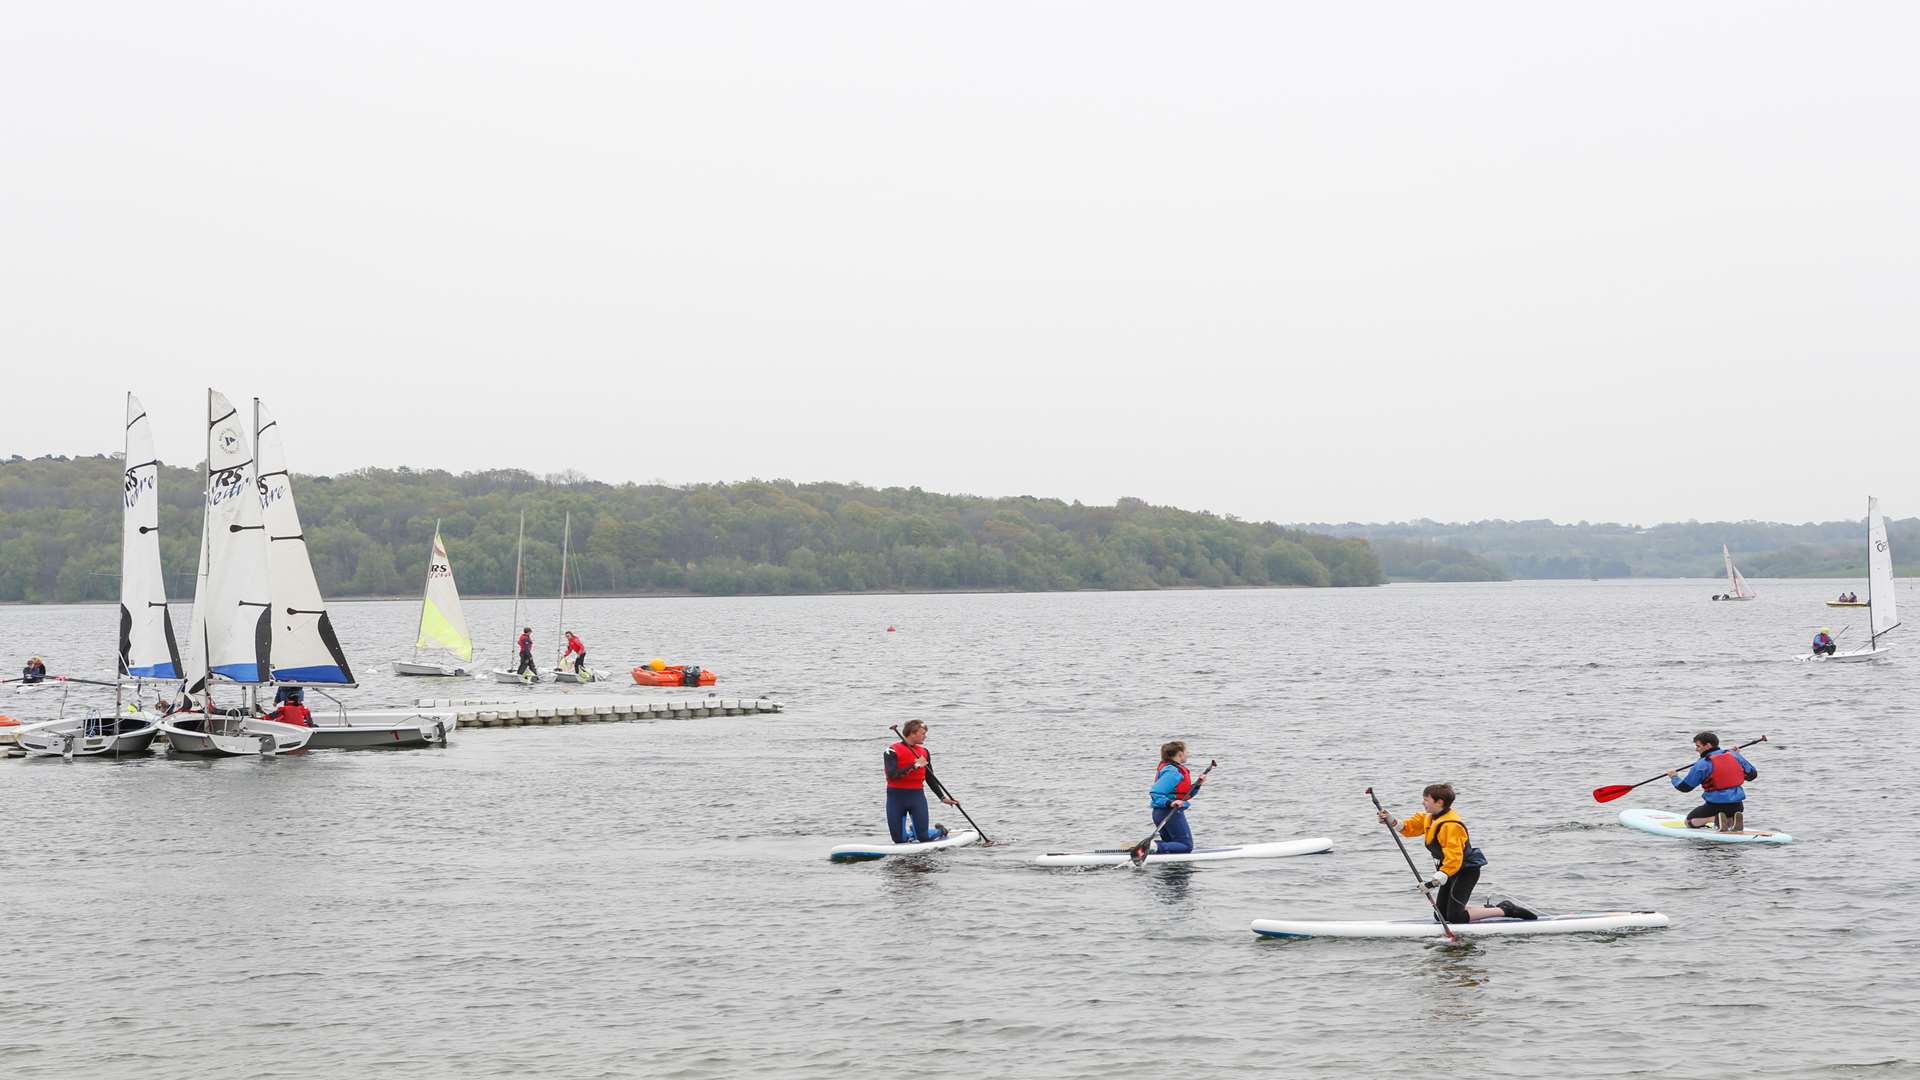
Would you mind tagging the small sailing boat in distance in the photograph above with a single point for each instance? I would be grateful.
(443, 624)
(1882, 613)
(1737, 587)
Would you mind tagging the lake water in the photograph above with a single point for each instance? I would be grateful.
(654, 898)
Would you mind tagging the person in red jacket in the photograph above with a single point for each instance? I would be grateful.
(909, 769)
(293, 710)
(575, 645)
(526, 654)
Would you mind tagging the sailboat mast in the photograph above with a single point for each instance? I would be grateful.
(423, 589)
(566, 538)
(126, 463)
(519, 554)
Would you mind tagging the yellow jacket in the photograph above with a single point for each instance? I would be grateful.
(1453, 842)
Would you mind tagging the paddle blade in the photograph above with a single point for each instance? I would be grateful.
(1610, 792)
(1138, 856)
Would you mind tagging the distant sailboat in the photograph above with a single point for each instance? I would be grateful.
(443, 623)
(1737, 588)
(511, 673)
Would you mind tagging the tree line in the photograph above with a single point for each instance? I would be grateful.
(368, 531)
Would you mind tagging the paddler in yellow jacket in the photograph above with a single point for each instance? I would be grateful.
(1459, 871)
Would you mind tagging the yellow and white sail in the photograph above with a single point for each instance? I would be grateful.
(443, 625)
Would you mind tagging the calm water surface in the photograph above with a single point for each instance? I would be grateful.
(654, 899)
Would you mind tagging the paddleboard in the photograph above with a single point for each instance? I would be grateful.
(1582, 923)
(1661, 823)
(1115, 856)
(869, 852)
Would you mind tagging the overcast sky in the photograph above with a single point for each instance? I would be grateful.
(1304, 262)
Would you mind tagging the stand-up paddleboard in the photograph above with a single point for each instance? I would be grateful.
(1583, 923)
(1661, 823)
(870, 852)
(1116, 856)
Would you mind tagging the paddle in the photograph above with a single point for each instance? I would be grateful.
(1402, 845)
(1138, 853)
(1614, 791)
(940, 789)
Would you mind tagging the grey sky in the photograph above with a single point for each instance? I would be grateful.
(1305, 262)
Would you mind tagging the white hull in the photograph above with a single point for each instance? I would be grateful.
(445, 671)
(506, 675)
(233, 737)
(1586, 923)
(1854, 657)
(869, 852)
(89, 737)
(584, 675)
(389, 730)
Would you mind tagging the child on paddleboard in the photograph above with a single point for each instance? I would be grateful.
(1723, 773)
(1459, 861)
(909, 767)
(1172, 792)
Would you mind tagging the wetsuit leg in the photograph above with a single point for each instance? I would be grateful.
(1175, 838)
(896, 811)
(526, 663)
(917, 810)
(1708, 811)
(1453, 896)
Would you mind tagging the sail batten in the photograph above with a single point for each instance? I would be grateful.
(305, 647)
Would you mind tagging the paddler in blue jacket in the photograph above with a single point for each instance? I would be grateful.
(1172, 792)
(1723, 773)
(909, 769)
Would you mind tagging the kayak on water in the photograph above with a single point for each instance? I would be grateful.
(1662, 823)
(1582, 923)
(1115, 856)
(882, 849)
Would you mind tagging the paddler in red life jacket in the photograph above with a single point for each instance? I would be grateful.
(1445, 836)
(1723, 773)
(1172, 792)
(909, 767)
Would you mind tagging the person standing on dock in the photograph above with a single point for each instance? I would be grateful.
(909, 765)
(526, 654)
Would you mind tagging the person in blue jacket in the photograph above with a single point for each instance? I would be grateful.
(1172, 792)
(1723, 774)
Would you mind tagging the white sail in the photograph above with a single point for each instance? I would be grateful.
(1736, 584)
(305, 648)
(1882, 611)
(148, 649)
(231, 606)
(442, 622)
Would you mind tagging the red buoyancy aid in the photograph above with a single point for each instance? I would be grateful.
(913, 778)
(1726, 773)
(292, 712)
(1182, 790)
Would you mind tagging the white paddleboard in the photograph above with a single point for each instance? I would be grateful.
(869, 852)
(1661, 823)
(1583, 923)
(1116, 856)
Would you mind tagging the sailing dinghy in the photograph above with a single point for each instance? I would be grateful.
(1737, 587)
(574, 673)
(511, 673)
(231, 639)
(443, 625)
(1882, 613)
(306, 653)
(148, 650)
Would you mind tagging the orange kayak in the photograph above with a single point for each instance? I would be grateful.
(675, 675)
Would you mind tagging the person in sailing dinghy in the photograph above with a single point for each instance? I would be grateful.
(1724, 774)
(1172, 792)
(575, 645)
(1459, 861)
(34, 671)
(292, 708)
(526, 654)
(1823, 642)
(909, 766)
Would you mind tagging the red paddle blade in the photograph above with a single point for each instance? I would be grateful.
(1610, 792)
